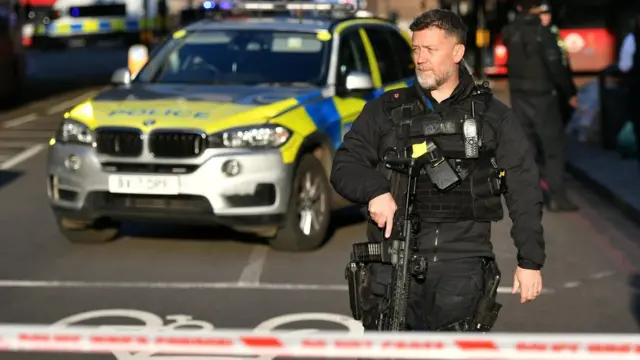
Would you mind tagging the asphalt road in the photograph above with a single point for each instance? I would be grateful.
(227, 280)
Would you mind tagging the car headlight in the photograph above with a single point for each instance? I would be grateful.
(72, 131)
(266, 136)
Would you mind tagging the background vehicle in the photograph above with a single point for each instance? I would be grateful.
(78, 22)
(12, 56)
(231, 122)
(591, 29)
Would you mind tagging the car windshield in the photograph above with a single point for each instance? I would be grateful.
(239, 57)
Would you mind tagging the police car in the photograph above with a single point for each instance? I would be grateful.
(230, 122)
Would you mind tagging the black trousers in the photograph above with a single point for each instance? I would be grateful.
(541, 119)
(449, 294)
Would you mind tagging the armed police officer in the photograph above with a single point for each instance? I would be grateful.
(539, 81)
(455, 225)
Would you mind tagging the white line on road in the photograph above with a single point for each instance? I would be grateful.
(26, 154)
(19, 120)
(62, 106)
(252, 272)
(186, 285)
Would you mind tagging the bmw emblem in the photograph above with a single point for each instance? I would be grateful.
(148, 122)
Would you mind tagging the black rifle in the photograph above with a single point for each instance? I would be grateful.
(399, 251)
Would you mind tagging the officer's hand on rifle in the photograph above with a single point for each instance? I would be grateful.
(381, 209)
(529, 282)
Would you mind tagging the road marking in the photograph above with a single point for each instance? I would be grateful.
(571, 284)
(186, 285)
(20, 120)
(252, 272)
(26, 154)
(17, 134)
(16, 144)
(602, 275)
(64, 105)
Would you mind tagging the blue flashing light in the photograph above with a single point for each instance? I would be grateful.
(75, 12)
(208, 5)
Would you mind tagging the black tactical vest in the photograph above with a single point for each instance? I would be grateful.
(473, 198)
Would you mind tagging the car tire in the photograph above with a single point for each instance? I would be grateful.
(309, 175)
(77, 232)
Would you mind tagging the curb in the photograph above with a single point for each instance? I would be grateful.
(603, 191)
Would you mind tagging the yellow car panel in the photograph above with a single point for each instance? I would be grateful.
(209, 117)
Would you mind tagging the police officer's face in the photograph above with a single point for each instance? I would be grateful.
(545, 18)
(436, 55)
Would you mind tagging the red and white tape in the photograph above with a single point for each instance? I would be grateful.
(321, 344)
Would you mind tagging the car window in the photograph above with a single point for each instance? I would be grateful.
(389, 70)
(240, 57)
(403, 54)
(351, 56)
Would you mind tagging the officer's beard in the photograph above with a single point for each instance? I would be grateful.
(432, 82)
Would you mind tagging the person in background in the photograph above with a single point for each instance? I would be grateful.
(567, 105)
(629, 64)
(538, 83)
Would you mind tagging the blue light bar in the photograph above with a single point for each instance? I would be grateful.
(319, 5)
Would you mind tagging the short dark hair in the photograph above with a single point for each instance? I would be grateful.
(443, 19)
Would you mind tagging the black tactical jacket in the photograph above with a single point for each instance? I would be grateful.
(354, 176)
(535, 63)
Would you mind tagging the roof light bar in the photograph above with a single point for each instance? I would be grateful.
(294, 5)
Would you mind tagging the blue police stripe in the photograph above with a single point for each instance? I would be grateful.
(76, 28)
(131, 24)
(308, 96)
(326, 118)
(104, 25)
(378, 92)
(370, 95)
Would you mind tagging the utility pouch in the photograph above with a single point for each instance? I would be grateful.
(439, 170)
(488, 308)
(354, 276)
(497, 180)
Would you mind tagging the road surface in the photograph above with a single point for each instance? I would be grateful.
(228, 280)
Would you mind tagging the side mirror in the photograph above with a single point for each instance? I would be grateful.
(358, 81)
(121, 77)
(137, 57)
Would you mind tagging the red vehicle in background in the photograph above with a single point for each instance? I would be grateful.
(591, 30)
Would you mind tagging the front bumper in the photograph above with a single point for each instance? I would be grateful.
(191, 191)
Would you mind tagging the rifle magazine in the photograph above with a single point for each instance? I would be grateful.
(371, 252)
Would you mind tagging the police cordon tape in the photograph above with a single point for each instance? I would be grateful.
(321, 344)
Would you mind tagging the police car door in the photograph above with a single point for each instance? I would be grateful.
(393, 52)
(352, 60)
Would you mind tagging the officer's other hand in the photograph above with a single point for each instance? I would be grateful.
(381, 209)
(529, 282)
(573, 101)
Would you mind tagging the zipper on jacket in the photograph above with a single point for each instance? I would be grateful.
(473, 198)
(435, 243)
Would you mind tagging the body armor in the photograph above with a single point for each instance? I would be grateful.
(477, 195)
